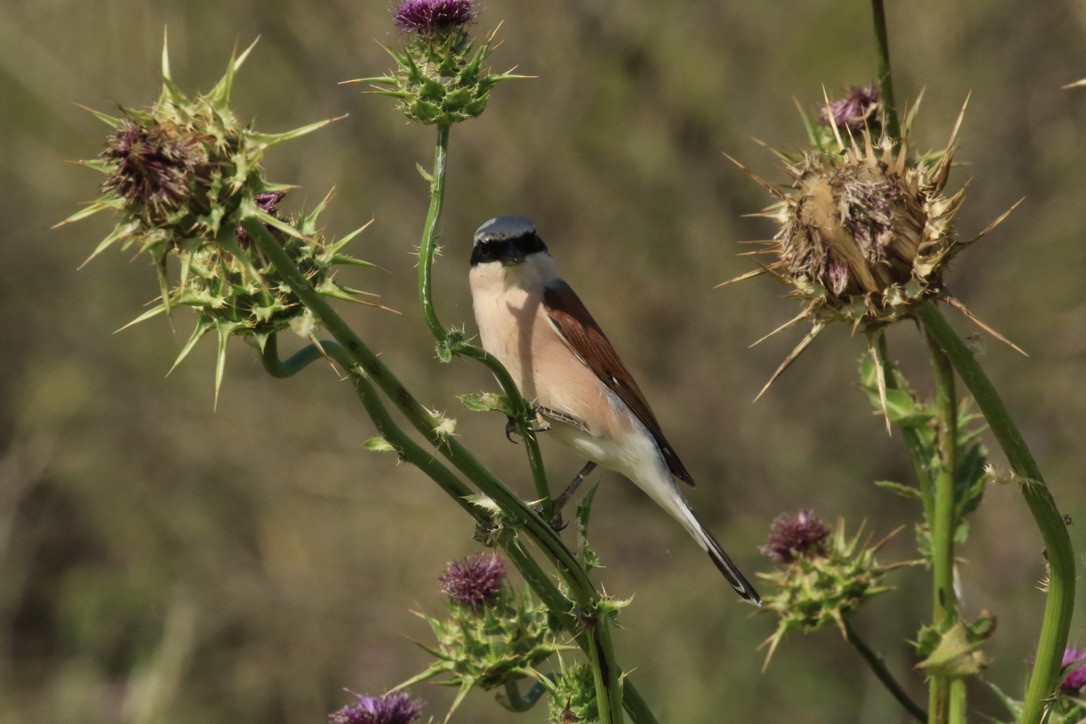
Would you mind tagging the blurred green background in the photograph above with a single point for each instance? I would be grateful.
(161, 561)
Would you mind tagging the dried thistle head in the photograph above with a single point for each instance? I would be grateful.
(182, 176)
(865, 231)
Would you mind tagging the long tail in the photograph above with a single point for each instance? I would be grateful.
(725, 565)
(662, 488)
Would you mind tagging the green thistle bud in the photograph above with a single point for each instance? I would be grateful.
(865, 232)
(492, 635)
(573, 700)
(182, 176)
(439, 77)
(822, 583)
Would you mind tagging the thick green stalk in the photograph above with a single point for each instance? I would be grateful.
(365, 364)
(427, 251)
(1059, 603)
(942, 522)
(885, 79)
(878, 667)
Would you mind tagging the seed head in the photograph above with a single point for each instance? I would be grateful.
(154, 169)
(796, 536)
(865, 233)
(397, 708)
(474, 582)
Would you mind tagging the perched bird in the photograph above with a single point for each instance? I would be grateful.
(534, 323)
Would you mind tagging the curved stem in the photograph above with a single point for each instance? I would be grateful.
(369, 370)
(427, 251)
(428, 246)
(1060, 600)
(281, 369)
(942, 522)
(878, 667)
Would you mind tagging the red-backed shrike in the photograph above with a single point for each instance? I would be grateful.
(535, 324)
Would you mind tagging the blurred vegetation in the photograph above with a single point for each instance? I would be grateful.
(163, 562)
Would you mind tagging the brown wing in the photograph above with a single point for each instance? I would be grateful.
(586, 339)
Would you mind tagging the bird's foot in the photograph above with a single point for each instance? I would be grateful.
(556, 518)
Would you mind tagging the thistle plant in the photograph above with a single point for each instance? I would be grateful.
(865, 234)
(183, 177)
(492, 636)
(186, 181)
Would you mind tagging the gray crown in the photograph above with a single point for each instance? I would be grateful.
(501, 228)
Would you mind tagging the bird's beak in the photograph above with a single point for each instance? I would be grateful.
(513, 255)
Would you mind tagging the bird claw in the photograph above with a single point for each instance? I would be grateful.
(510, 429)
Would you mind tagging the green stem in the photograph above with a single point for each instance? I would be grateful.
(945, 604)
(427, 251)
(281, 369)
(885, 79)
(428, 247)
(361, 362)
(878, 666)
(1059, 603)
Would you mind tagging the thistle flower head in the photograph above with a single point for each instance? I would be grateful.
(182, 177)
(796, 536)
(434, 16)
(491, 635)
(856, 111)
(865, 233)
(826, 584)
(475, 582)
(395, 708)
(155, 170)
(1075, 659)
(439, 77)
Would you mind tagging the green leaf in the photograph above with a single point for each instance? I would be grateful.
(486, 402)
(379, 444)
(585, 554)
(958, 653)
(905, 491)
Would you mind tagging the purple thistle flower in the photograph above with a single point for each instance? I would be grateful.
(474, 582)
(796, 536)
(433, 16)
(855, 111)
(1076, 679)
(389, 709)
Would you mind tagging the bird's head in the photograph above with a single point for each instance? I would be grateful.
(507, 240)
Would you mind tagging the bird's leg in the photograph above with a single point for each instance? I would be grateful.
(556, 521)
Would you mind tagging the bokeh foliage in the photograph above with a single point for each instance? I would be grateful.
(160, 562)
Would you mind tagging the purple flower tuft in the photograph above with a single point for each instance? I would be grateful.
(474, 582)
(1076, 679)
(855, 111)
(796, 536)
(388, 709)
(433, 16)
